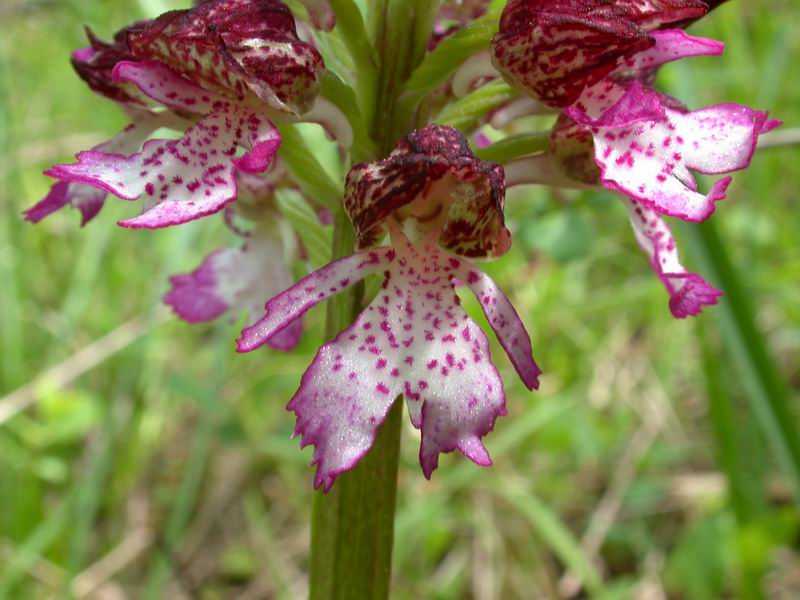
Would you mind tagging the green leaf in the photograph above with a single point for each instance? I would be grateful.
(465, 113)
(439, 65)
(352, 30)
(315, 237)
(515, 146)
(307, 171)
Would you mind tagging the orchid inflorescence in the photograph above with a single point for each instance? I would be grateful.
(233, 77)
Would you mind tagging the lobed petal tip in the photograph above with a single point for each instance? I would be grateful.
(694, 295)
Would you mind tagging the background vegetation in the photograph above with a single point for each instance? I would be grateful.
(140, 457)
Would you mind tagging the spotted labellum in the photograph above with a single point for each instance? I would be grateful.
(438, 203)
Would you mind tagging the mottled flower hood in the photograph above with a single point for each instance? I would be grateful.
(554, 49)
(435, 169)
(234, 47)
(95, 65)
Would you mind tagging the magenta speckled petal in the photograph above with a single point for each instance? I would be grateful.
(413, 339)
(505, 322)
(236, 280)
(292, 303)
(671, 45)
(194, 296)
(688, 292)
(288, 337)
(236, 47)
(651, 161)
(182, 179)
(610, 104)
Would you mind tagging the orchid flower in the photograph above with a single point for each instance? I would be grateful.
(590, 59)
(236, 280)
(439, 204)
(224, 70)
(594, 62)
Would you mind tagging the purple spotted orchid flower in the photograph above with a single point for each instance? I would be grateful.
(439, 204)
(591, 60)
(236, 280)
(221, 72)
(594, 61)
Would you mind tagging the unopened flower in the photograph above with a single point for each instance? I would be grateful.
(453, 16)
(226, 67)
(439, 204)
(321, 14)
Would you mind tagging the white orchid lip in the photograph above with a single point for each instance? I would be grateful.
(413, 339)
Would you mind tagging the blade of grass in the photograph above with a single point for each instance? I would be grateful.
(553, 532)
(767, 392)
(34, 547)
(745, 488)
(12, 340)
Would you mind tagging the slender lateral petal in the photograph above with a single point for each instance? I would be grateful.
(505, 322)
(651, 161)
(86, 199)
(688, 292)
(292, 303)
(182, 179)
(236, 280)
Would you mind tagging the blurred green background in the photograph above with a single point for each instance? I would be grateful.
(140, 457)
